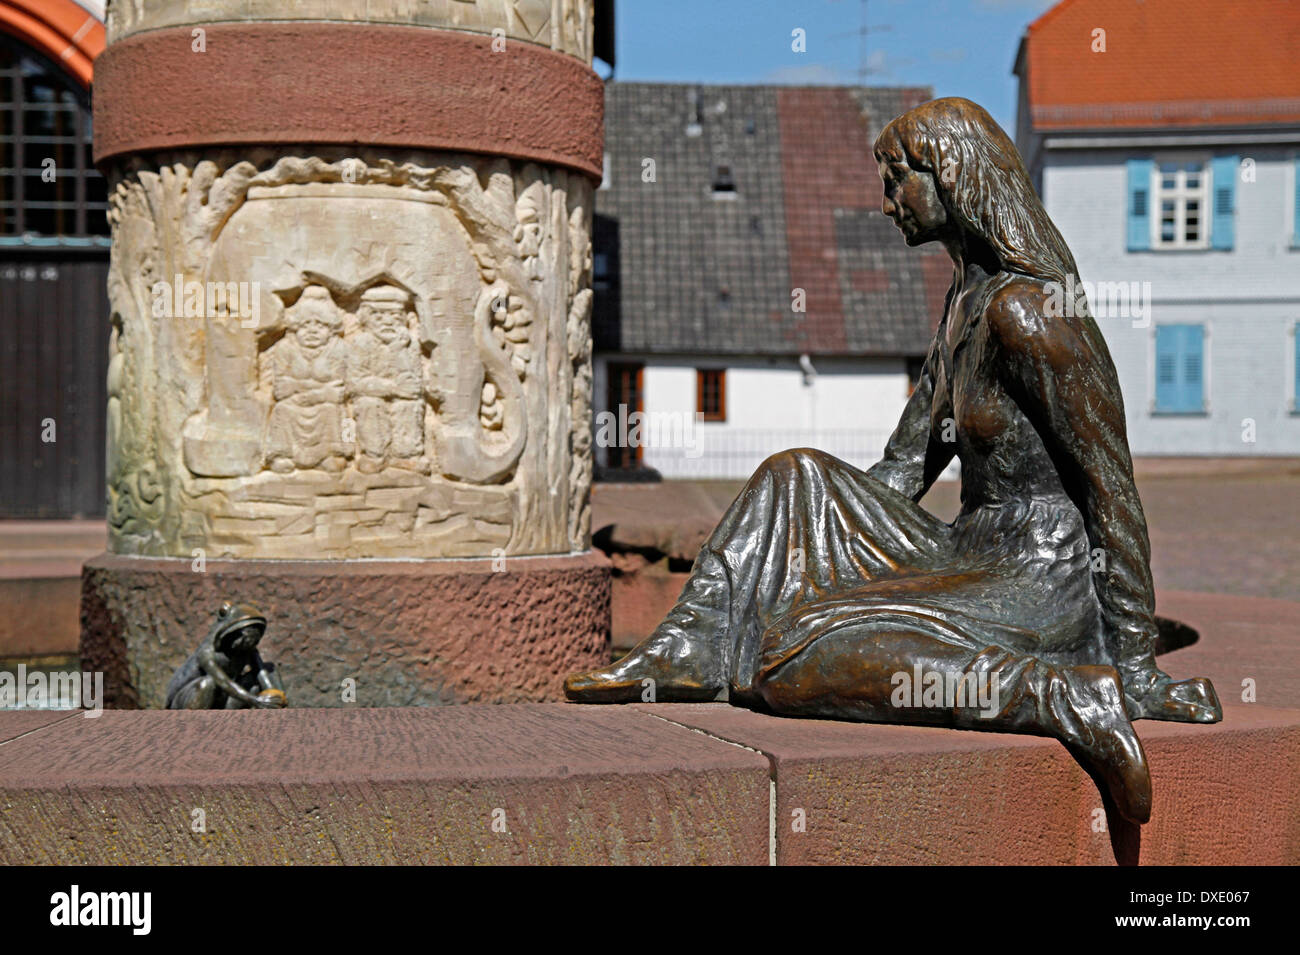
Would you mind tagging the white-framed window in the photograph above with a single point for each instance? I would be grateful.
(1181, 189)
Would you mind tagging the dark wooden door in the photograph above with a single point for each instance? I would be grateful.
(53, 364)
(624, 394)
(54, 317)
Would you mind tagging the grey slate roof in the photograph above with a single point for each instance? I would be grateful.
(694, 273)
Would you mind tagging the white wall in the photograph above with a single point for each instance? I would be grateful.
(1248, 300)
(848, 408)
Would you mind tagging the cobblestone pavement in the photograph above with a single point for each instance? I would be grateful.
(1234, 532)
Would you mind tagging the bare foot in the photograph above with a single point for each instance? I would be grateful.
(659, 669)
(1182, 701)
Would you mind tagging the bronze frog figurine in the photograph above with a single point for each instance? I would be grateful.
(226, 672)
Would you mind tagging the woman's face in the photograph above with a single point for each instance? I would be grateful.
(912, 201)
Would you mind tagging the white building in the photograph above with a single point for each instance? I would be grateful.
(845, 406)
(1176, 189)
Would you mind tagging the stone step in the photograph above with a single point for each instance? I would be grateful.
(40, 612)
(40, 584)
(861, 794)
(666, 783)
(403, 785)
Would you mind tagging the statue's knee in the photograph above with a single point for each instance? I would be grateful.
(197, 695)
(792, 461)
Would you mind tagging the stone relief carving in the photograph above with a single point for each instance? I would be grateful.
(385, 383)
(135, 501)
(349, 356)
(306, 369)
(563, 25)
(578, 335)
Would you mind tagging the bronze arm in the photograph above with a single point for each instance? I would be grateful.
(914, 457)
(208, 661)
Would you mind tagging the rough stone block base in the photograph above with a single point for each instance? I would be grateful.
(408, 632)
(469, 784)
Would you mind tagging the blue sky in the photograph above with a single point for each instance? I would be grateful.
(960, 47)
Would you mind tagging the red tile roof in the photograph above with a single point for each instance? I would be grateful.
(836, 174)
(1166, 63)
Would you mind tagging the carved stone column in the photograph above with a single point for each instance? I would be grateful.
(350, 284)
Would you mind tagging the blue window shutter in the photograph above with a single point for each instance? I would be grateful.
(1168, 345)
(1180, 368)
(1223, 180)
(1139, 204)
(1193, 368)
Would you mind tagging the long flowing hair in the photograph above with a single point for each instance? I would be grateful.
(982, 182)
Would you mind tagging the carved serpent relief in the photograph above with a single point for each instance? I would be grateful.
(349, 356)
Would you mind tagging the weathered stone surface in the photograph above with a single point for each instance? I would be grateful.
(39, 616)
(1241, 639)
(400, 786)
(349, 356)
(40, 584)
(883, 794)
(619, 784)
(17, 723)
(532, 21)
(1228, 797)
(408, 632)
(438, 90)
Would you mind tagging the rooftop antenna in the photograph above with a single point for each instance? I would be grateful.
(861, 33)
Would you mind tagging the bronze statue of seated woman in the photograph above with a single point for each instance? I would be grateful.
(827, 591)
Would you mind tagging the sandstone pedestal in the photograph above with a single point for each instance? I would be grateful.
(395, 633)
(351, 326)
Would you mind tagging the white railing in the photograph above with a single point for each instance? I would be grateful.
(737, 452)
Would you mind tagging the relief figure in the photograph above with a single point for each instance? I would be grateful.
(385, 383)
(306, 369)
